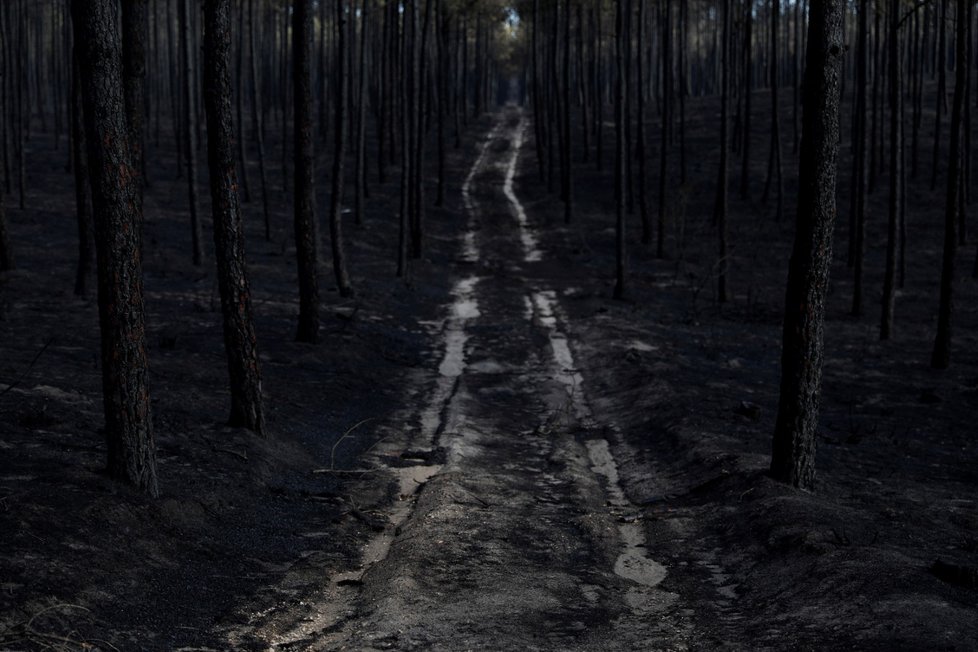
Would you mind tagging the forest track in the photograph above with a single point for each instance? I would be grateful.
(520, 535)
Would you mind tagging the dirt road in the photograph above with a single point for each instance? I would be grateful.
(511, 530)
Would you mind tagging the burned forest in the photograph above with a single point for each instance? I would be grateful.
(588, 325)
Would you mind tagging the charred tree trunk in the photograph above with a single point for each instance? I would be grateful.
(643, 199)
(339, 152)
(620, 150)
(941, 357)
(774, 167)
(305, 168)
(135, 27)
(240, 343)
(748, 82)
(720, 205)
(896, 149)
(257, 117)
(858, 219)
(190, 129)
(793, 458)
(566, 119)
(941, 90)
(83, 189)
(128, 422)
(666, 119)
(360, 167)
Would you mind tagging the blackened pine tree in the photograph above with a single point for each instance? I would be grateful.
(620, 149)
(896, 176)
(774, 167)
(720, 203)
(340, 137)
(793, 458)
(305, 164)
(240, 343)
(190, 129)
(83, 187)
(640, 150)
(129, 426)
(858, 210)
(941, 357)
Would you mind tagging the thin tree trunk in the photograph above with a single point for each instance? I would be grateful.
(305, 169)
(620, 150)
(896, 147)
(83, 189)
(190, 130)
(941, 357)
(858, 219)
(774, 167)
(941, 91)
(239, 105)
(339, 152)
(643, 202)
(748, 68)
(360, 168)
(566, 119)
(793, 452)
(720, 205)
(257, 117)
(666, 118)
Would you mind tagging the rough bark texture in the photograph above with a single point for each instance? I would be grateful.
(128, 427)
(305, 238)
(793, 459)
(135, 28)
(339, 153)
(240, 344)
(941, 357)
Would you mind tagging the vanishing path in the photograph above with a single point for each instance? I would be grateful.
(512, 531)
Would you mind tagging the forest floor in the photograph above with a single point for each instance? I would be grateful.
(496, 455)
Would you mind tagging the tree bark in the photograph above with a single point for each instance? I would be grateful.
(257, 117)
(190, 129)
(360, 171)
(305, 165)
(83, 188)
(240, 343)
(941, 357)
(620, 149)
(774, 167)
(896, 149)
(720, 205)
(858, 219)
(129, 425)
(793, 458)
(135, 27)
(339, 152)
